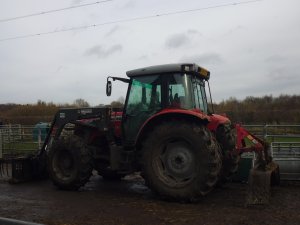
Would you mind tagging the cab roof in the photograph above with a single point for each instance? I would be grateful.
(190, 68)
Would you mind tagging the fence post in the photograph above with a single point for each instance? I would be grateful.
(1, 144)
(265, 132)
(40, 137)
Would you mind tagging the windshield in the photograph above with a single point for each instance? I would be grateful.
(187, 92)
(179, 86)
(199, 94)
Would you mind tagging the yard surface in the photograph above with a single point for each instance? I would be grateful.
(130, 202)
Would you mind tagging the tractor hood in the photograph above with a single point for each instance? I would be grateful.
(216, 120)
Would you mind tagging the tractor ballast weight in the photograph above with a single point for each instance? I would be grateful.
(166, 131)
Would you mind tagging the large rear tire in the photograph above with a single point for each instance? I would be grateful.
(181, 161)
(70, 163)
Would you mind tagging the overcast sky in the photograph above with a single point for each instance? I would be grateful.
(251, 49)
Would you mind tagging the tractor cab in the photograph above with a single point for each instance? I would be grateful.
(163, 89)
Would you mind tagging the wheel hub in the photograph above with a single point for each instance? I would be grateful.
(179, 160)
(176, 163)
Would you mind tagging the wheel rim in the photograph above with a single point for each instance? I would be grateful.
(63, 164)
(175, 164)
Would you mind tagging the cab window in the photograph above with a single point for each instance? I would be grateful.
(145, 95)
(199, 95)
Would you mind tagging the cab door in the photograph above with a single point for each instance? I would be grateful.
(143, 101)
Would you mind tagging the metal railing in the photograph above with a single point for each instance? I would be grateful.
(18, 139)
(287, 155)
(273, 132)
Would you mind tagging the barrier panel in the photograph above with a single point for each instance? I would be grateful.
(287, 155)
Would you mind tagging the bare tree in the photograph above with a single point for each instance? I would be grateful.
(81, 103)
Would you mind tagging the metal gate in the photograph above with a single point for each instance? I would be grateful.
(287, 155)
(18, 139)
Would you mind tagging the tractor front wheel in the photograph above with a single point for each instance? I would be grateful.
(70, 163)
(181, 161)
(226, 137)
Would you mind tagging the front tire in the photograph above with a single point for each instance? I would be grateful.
(227, 138)
(181, 161)
(70, 163)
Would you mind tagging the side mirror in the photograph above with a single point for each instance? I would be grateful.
(108, 87)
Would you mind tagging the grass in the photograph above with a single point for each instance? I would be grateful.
(283, 139)
(20, 147)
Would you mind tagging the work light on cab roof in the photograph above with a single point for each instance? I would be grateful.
(200, 71)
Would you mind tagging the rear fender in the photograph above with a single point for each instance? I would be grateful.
(169, 115)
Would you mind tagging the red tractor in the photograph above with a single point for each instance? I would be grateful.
(167, 131)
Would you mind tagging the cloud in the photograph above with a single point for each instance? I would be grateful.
(143, 57)
(274, 59)
(101, 52)
(283, 74)
(76, 2)
(203, 59)
(177, 40)
(112, 31)
(234, 30)
(193, 31)
(129, 4)
(59, 68)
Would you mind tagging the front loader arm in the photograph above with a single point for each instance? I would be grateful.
(34, 166)
(75, 116)
(257, 145)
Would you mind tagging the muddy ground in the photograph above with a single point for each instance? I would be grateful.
(130, 202)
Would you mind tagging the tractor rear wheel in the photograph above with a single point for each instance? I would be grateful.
(70, 163)
(181, 161)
